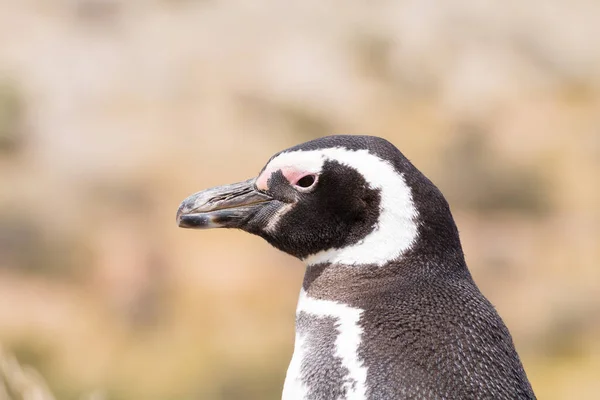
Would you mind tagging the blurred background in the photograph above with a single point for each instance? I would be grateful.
(113, 111)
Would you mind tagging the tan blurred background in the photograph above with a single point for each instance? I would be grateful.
(113, 111)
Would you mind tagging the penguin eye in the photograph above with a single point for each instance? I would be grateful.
(306, 181)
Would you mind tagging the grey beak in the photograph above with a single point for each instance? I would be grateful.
(226, 206)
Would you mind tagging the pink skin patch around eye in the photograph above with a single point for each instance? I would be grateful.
(292, 174)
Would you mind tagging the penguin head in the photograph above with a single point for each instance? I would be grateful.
(350, 200)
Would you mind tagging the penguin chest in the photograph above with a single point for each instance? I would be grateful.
(325, 363)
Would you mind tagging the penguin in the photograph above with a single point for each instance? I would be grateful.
(388, 308)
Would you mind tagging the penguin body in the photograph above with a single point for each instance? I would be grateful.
(388, 308)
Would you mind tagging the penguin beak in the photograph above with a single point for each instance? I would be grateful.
(227, 206)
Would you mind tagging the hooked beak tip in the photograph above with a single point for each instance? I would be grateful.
(185, 209)
(180, 213)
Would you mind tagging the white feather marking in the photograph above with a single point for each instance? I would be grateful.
(277, 216)
(396, 229)
(294, 388)
(309, 161)
(346, 348)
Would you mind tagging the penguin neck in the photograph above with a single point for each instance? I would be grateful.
(349, 284)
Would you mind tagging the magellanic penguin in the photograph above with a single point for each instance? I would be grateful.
(388, 308)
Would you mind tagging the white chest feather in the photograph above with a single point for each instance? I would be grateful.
(346, 344)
